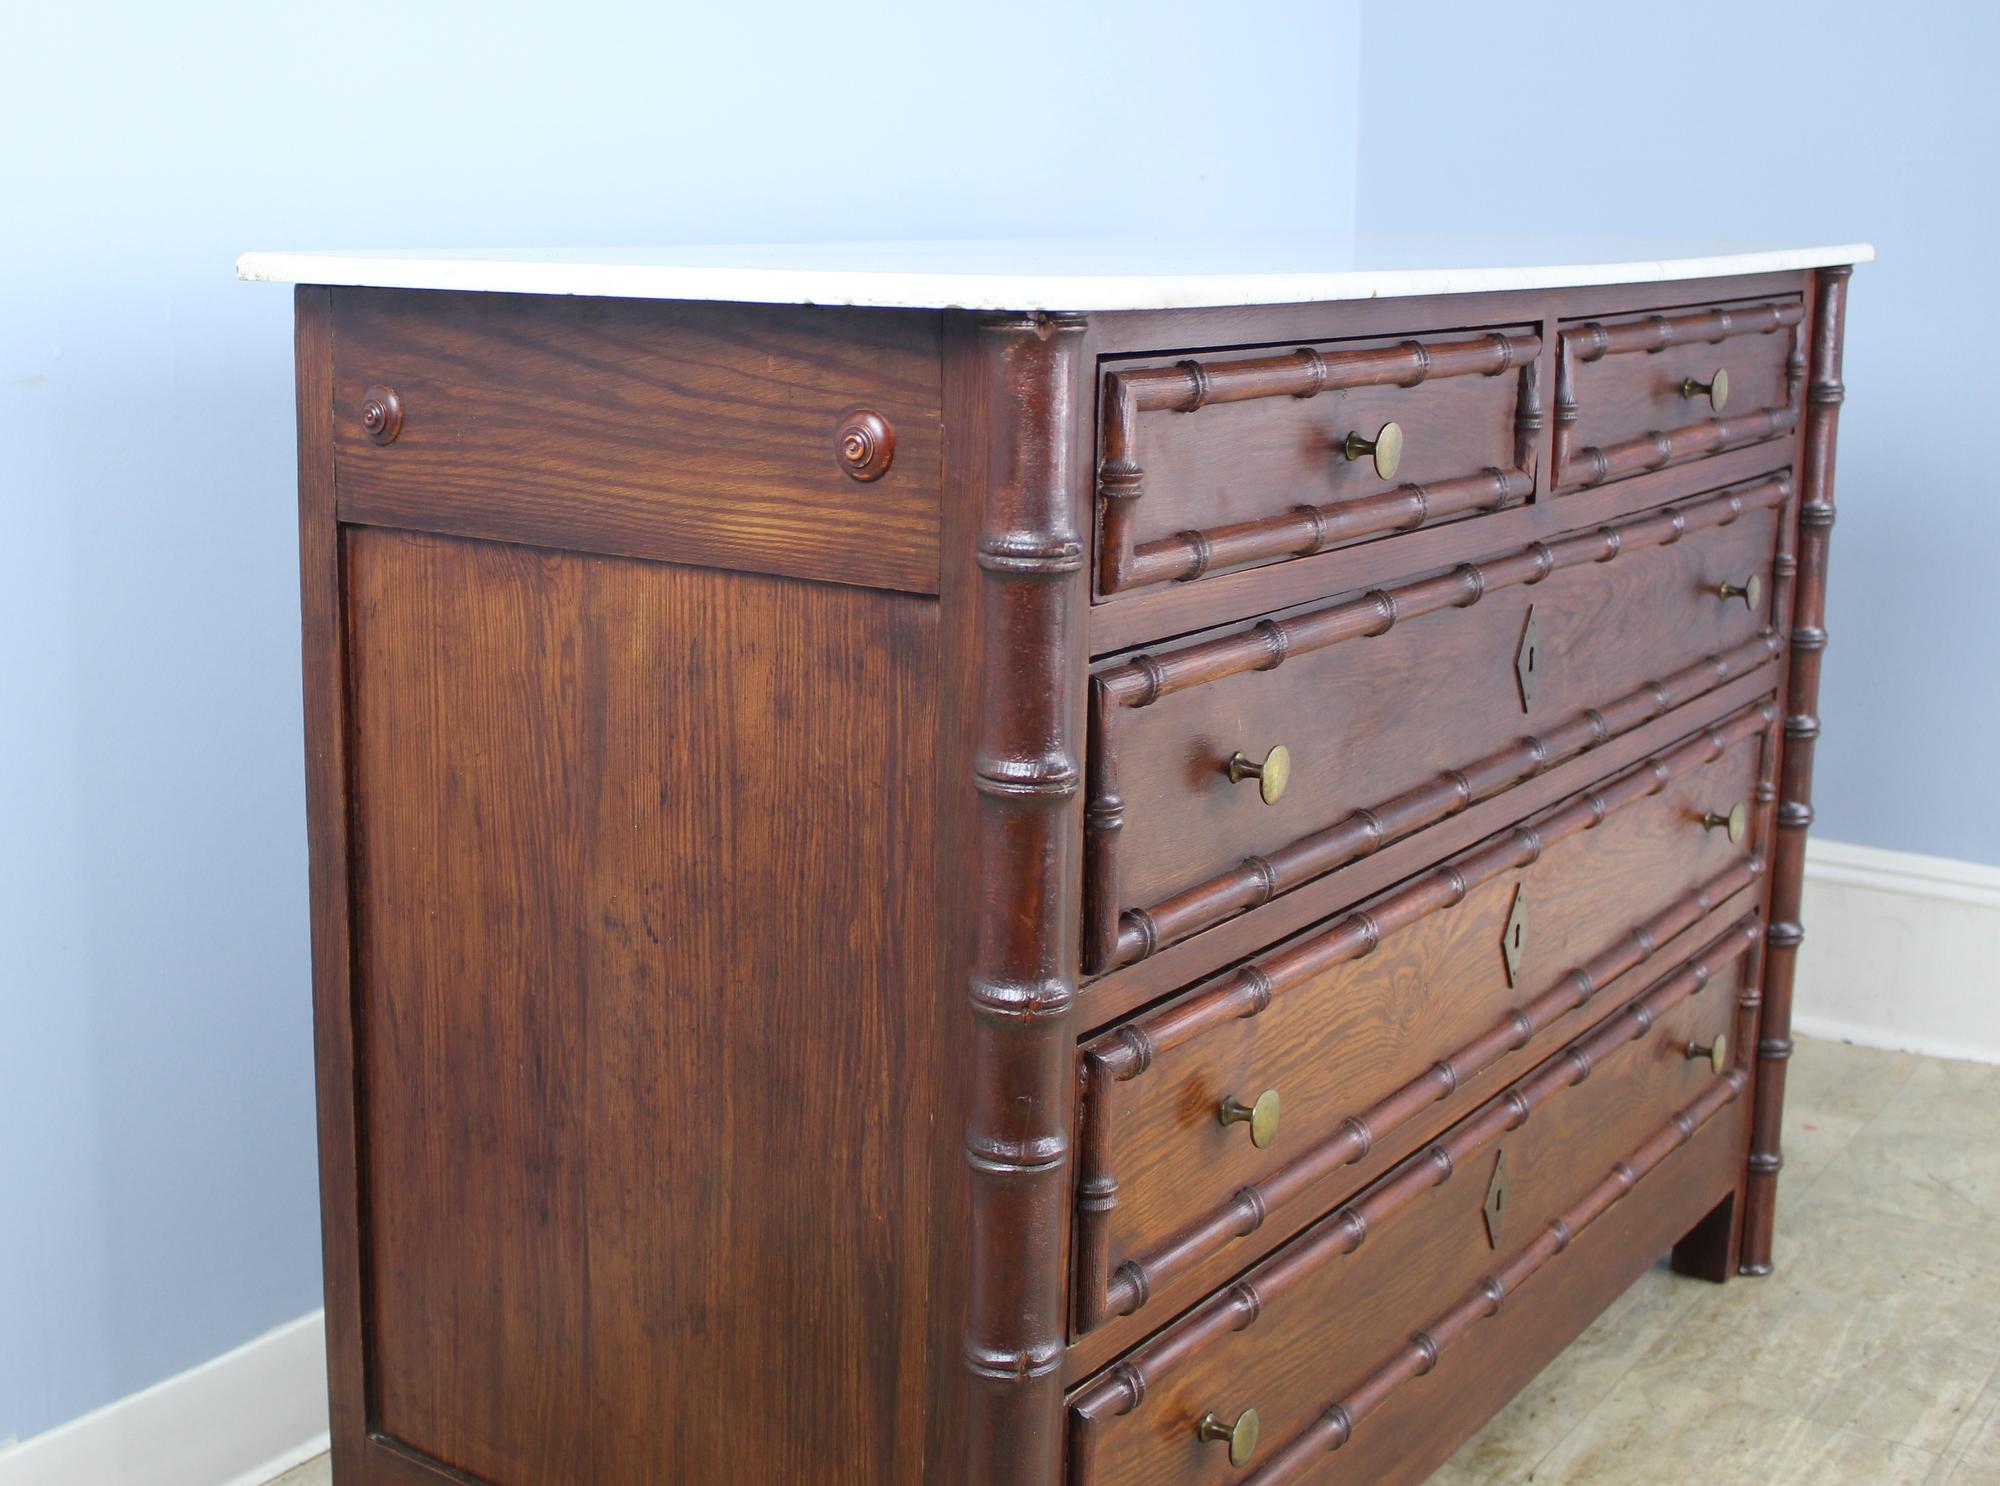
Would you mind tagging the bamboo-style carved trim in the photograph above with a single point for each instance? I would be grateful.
(1114, 935)
(1595, 340)
(1592, 341)
(1129, 1050)
(1257, 880)
(1336, 1425)
(1651, 451)
(1030, 562)
(1309, 527)
(1801, 731)
(1126, 1386)
(1144, 680)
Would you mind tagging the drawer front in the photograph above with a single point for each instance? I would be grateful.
(1639, 392)
(1233, 461)
(700, 434)
(1318, 1335)
(1400, 707)
(1339, 1040)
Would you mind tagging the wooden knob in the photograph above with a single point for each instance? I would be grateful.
(1272, 775)
(1261, 1117)
(1715, 389)
(1716, 1054)
(1736, 821)
(382, 414)
(1750, 590)
(865, 444)
(1241, 1437)
(1386, 447)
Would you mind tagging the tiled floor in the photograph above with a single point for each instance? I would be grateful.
(1871, 1358)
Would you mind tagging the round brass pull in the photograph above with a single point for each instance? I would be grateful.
(1736, 822)
(1241, 1437)
(1715, 389)
(1716, 1054)
(1261, 1117)
(1272, 775)
(1750, 590)
(1386, 446)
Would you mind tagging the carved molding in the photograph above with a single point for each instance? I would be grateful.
(1340, 1233)
(1802, 599)
(1190, 385)
(1129, 1051)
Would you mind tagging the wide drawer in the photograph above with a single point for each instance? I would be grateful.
(1244, 1105)
(1225, 462)
(1318, 1335)
(692, 433)
(1468, 681)
(1639, 392)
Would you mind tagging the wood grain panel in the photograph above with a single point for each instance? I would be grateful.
(1225, 461)
(1377, 725)
(1620, 403)
(1366, 1045)
(1393, 1258)
(649, 1150)
(691, 433)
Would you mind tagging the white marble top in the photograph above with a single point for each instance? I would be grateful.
(1053, 275)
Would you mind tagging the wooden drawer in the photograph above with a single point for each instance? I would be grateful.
(692, 433)
(1342, 1035)
(1322, 1332)
(1232, 461)
(1473, 680)
(1638, 392)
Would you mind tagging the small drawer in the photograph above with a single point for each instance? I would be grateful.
(1248, 1103)
(1227, 462)
(1232, 768)
(704, 434)
(1639, 392)
(1288, 1362)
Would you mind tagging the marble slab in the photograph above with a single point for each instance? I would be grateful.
(1054, 275)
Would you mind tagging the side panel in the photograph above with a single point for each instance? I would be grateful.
(641, 879)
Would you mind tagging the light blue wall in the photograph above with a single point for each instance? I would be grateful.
(1835, 121)
(157, 1201)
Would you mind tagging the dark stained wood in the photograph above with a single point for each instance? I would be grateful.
(709, 1087)
(1025, 386)
(687, 432)
(1386, 1261)
(640, 850)
(334, 1032)
(1807, 636)
(1344, 1023)
(1260, 475)
(1620, 403)
(1392, 735)
(1420, 1425)
(1192, 331)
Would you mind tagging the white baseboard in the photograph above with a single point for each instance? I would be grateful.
(1901, 951)
(236, 1420)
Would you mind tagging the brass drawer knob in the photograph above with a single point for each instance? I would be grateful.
(1241, 1437)
(1261, 1117)
(1736, 822)
(1386, 446)
(1715, 389)
(1750, 590)
(1272, 775)
(1716, 1054)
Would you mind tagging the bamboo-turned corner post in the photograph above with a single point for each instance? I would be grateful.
(1029, 697)
(1801, 729)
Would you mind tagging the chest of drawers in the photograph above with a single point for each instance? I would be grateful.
(1177, 885)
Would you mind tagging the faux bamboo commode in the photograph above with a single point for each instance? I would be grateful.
(1221, 858)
